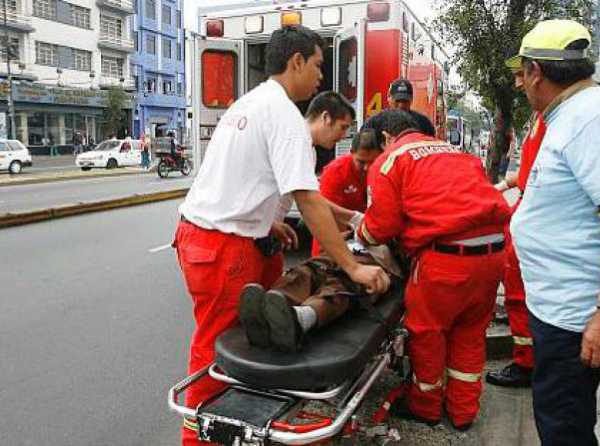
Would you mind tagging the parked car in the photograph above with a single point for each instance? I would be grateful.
(110, 154)
(13, 155)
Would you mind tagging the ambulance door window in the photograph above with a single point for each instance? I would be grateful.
(348, 70)
(219, 78)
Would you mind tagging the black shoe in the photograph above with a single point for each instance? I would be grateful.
(284, 328)
(462, 427)
(252, 316)
(400, 409)
(512, 375)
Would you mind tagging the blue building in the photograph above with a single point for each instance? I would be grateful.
(157, 67)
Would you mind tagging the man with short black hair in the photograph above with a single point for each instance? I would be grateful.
(556, 232)
(400, 97)
(260, 151)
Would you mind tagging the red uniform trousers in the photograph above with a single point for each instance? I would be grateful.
(516, 310)
(216, 266)
(449, 305)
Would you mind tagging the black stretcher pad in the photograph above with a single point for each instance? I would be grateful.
(329, 357)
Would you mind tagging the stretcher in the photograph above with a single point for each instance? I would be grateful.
(267, 391)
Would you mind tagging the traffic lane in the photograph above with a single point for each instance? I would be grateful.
(93, 329)
(46, 195)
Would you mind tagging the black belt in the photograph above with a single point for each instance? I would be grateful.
(464, 250)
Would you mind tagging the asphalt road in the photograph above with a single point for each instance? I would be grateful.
(46, 195)
(94, 329)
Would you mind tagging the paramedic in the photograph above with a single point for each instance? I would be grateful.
(400, 97)
(439, 205)
(261, 150)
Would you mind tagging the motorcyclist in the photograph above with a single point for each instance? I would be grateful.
(175, 150)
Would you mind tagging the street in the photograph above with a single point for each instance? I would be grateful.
(46, 195)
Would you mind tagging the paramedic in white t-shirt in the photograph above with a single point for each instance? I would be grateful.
(261, 150)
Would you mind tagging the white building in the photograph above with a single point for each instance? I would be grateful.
(63, 53)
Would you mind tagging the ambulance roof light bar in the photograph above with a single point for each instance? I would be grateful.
(378, 11)
(289, 18)
(215, 28)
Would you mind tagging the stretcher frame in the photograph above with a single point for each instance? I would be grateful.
(346, 398)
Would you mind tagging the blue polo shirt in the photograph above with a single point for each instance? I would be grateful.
(556, 229)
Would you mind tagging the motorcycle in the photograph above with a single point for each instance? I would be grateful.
(169, 163)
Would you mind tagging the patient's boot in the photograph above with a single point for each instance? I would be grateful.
(252, 315)
(285, 329)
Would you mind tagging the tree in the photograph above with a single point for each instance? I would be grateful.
(114, 115)
(487, 32)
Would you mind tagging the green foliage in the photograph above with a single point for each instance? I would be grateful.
(485, 33)
(114, 115)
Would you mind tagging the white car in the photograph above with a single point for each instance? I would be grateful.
(110, 154)
(13, 155)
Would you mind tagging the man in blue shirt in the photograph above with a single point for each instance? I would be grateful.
(556, 231)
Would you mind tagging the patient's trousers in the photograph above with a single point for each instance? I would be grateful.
(320, 284)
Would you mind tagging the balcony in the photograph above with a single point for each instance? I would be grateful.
(16, 21)
(108, 81)
(124, 44)
(120, 6)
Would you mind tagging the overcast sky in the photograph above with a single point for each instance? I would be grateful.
(421, 7)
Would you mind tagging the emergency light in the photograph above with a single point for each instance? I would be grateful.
(331, 16)
(289, 18)
(215, 28)
(254, 24)
(378, 11)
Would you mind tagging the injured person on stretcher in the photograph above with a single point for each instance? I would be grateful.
(310, 295)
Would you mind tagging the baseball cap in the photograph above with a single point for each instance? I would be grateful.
(549, 39)
(401, 90)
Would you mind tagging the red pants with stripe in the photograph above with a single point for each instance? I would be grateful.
(516, 310)
(215, 267)
(449, 305)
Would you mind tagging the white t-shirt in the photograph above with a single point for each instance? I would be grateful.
(261, 150)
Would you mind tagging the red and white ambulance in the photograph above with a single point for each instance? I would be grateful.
(368, 45)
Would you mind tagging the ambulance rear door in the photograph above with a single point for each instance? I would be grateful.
(349, 74)
(217, 81)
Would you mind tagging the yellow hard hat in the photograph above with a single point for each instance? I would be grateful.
(549, 40)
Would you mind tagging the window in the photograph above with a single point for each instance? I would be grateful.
(112, 67)
(166, 14)
(45, 9)
(15, 52)
(82, 60)
(11, 8)
(167, 87)
(178, 20)
(3, 147)
(150, 85)
(219, 78)
(135, 40)
(180, 88)
(150, 9)
(179, 51)
(111, 27)
(151, 44)
(405, 24)
(136, 82)
(46, 54)
(347, 70)
(166, 48)
(80, 16)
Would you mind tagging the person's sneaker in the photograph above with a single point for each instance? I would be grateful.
(400, 409)
(252, 316)
(512, 375)
(284, 328)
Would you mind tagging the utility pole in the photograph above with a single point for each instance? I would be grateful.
(11, 104)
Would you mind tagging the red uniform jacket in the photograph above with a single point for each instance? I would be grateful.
(423, 190)
(342, 184)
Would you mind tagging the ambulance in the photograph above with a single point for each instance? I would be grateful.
(368, 44)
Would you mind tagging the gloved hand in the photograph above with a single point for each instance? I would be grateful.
(356, 219)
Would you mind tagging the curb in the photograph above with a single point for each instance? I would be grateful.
(28, 181)
(23, 218)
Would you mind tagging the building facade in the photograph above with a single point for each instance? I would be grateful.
(63, 56)
(158, 68)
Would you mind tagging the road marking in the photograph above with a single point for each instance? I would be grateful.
(159, 248)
